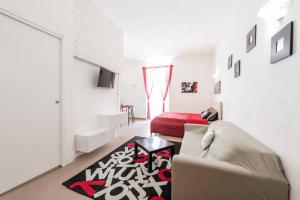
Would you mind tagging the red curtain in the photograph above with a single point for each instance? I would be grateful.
(152, 79)
(148, 88)
(167, 86)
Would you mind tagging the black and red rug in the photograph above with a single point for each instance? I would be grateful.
(118, 176)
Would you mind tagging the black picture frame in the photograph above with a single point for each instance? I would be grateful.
(237, 69)
(230, 61)
(251, 39)
(282, 43)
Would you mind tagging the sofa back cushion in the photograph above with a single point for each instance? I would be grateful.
(207, 139)
(233, 145)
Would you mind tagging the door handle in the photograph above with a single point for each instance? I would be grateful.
(57, 102)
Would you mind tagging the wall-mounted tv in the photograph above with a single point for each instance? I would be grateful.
(106, 78)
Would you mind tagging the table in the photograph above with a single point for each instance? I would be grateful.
(153, 145)
(129, 110)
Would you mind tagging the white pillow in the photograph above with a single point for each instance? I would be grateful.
(207, 139)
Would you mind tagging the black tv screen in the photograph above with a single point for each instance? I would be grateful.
(106, 78)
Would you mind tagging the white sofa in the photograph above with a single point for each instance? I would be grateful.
(234, 167)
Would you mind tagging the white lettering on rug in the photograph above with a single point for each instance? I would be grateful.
(126, 178)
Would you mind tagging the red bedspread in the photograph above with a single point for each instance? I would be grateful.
(172, 124)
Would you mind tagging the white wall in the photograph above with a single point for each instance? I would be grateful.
(195, 67)
(58, 17)
(90, 99)
(132, 87)
(191, 68)
(97, 39)
(265, 99)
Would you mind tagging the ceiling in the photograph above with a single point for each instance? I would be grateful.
(167, 27)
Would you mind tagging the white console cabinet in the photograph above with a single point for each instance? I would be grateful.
(109, 128)
(89, 140)
(113, 121)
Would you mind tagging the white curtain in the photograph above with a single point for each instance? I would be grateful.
(157, 83)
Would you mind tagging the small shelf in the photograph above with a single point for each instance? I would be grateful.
(92, 132)
(89, 140)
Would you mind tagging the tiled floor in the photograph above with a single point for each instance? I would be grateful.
(49, 186)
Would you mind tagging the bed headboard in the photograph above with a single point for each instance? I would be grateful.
(218, 106)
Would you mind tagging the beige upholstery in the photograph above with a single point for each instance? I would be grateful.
(235, 167)
(192, 140)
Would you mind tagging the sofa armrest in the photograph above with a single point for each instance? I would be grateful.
(200, 178)
(195, 127)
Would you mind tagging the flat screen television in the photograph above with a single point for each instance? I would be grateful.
(106, 78)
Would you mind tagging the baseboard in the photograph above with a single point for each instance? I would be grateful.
(139, 118)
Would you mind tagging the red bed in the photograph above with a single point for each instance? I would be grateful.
(172, 124)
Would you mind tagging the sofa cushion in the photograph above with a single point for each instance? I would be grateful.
(191, 143)
(207, 139)
(233, 145)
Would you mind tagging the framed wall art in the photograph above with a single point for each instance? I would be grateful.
(189, 87)
(282, 44)
(217, 89)
(237, 69)
(230, 60)
(251, 39)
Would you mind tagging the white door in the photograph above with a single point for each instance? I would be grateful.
(29, 114)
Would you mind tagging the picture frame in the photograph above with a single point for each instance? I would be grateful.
(230, 61)
(189, 87)
(251, 39)
(282, 43)
(217, 89)
(237, 69)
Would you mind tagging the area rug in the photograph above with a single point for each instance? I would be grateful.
(118, 176)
